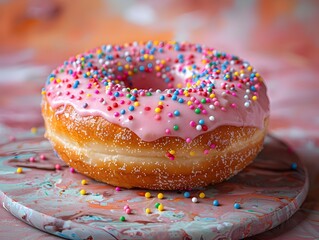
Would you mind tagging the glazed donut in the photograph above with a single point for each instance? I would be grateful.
(156, 115)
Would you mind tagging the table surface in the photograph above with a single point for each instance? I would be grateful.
(278, 37)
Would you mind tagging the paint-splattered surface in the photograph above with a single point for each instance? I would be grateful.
(278, 37)
(267, 192)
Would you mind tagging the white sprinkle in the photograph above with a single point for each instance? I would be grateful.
(211, 106)
(194, 200)
(211, 118)
(247, 104)
(199, 127)
(246, 96)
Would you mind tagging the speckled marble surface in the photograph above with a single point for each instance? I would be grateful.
(269, 191)
(278, 37)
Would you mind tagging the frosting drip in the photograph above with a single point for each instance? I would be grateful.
(161, 89)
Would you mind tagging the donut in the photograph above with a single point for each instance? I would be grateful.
(156, 115)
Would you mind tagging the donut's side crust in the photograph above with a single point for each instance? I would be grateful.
(115, 155)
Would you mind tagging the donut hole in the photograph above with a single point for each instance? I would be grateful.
(149, 75)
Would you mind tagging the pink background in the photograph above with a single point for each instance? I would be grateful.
(280, 38)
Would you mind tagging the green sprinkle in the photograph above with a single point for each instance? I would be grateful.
(197, 111)
(148, 94)
(156, 205)
(203, 100)
(176, 127)
(122, 218)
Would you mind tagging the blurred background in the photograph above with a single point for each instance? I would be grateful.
(279, 37)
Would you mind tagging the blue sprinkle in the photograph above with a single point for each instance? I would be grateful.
(162, 97)
(177, 113)
(187, 194)
(76, 84)
(149, 65)
(294, 166)
(161, 50)
(167, 80)
(128, 59)
(253, 88)
(201, 121)
(131, 108)
(116, 94)
(153, 50)
(85, 105)
(181, 60)
(180, 100)
(142, 68)
(237, 205)
(120, 68)
(90, 64)
(142, 59)
(216, 203)
(132, 98)
(174, 97)
(66, 63)
(176, 92)
(122, 111)
(180, 56)
(142, 51)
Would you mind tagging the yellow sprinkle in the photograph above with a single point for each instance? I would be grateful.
(148, 210)
(212, 95)
(34, 130)
(188, 85)
(43, 92)
(204, 61)
(189, 102)
(249, 68)
(160, 196)
(172, 152)
(202, 195)
(51, 79)
(136, 104)
(257, 74)
(192, 153)
(126, 66)
(130, 73)
(158, 110)
(84, 182)
(160, 103)
(82, 192)
(82, 59)
(98, 51)
(235, 73)
(157, 68)
(163, 61)
(155, 42)
(254, 98)
(119, 64)
(148, 195)
(186, 94)
(88, 73)
(160, 207)
(58, 80)
(217, 71)
(145, 56)
(19, 170)
(179, 85)
(242, 71)
(89, 95)
(151, 57)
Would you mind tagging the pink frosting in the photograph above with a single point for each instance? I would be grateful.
(161, 89)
